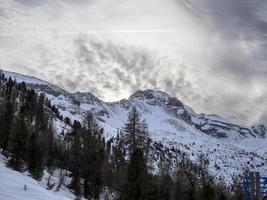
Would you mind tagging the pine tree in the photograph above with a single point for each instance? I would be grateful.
(135, 132)
(7, 116)
(208, 192)
(106, 169)
(118, 163)
(35, 158)
(30, 104)
(93, 156)
(17, 143)
(41, 121)
(75, 159)
(135, 187)
(222, 196)
(49, 146)
(165, 181)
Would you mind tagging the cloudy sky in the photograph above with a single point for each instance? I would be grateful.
(211, 54)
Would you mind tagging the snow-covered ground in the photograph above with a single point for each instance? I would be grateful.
(12, 187)
(27, 79)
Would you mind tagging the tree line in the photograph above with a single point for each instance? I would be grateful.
(130, 165)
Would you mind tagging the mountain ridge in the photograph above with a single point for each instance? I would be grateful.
(149, 95)
(146, 93)
(170, 122)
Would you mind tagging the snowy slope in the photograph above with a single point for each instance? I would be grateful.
(28, 79)
(12, 187)
(231, 148)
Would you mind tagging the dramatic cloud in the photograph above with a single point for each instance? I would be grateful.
(211, 54)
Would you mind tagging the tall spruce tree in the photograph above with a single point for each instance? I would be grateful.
(208, 192)
(18, 143)
(137, 177)
(118, 163)
(93, 155)
(7, 116)
(165, 181)
(35, 157)
(41, 121)
(135, 133)
(75, 159)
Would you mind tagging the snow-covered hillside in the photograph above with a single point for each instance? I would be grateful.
(12, 187)
(231, 148)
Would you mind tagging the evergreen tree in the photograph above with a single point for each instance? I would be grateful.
(6, 117)
(41, 121)
(49, 146)
(75, 159)
(30, 104)
(18, 143)
(93, 156)
(118, 163)
(165, 182)
(135, 132)
(208, 193)
(35, 158)
(135, 187)
(222, 196)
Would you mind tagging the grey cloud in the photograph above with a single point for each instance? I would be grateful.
(241, 60)
(131, 69)
(111, 86)
(122, 77)
(238, 21)
(153, 82)
(2, 13)
(263, 118)
(239, 15)
(32, 3)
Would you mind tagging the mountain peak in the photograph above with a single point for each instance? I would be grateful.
(85, 97)
(158, 95)
(260, 130)
(149, 94)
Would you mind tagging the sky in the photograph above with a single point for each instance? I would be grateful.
(210, 54)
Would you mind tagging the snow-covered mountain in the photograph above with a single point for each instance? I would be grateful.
(231, 148)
